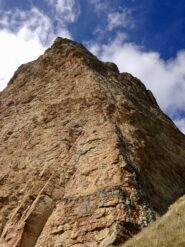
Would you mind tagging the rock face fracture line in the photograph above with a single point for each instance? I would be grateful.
(21, 224)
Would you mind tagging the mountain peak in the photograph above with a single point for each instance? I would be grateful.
(87, 156)
(65, 51)
(59, 41)
(77, 49)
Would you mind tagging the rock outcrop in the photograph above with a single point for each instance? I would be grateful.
(87, 156)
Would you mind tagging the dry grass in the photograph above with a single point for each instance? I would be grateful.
(167, 231)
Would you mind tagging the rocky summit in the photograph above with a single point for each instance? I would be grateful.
(87, 157)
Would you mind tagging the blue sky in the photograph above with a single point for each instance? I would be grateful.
(145, 38)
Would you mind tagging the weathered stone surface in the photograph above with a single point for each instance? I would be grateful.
(87, 156)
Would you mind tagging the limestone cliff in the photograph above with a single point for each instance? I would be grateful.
(87, 156)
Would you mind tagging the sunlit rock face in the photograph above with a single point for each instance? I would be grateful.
(87, 156)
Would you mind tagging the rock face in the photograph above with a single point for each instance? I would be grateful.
(87, 156)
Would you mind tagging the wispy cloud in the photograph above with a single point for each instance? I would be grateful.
(120, 19)
(99, 5)
(114, 17)
(34, 23)
(66, 10)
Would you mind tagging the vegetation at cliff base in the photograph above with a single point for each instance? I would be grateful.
(167, 231)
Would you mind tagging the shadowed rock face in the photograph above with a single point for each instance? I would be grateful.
(87, 156)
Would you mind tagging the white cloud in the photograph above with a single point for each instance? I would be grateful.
(99, 5)
(120, 19)
(23, 37)
(166, 79)
(16, 49)
(67, 10)
(33, 20)
(181, 124)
